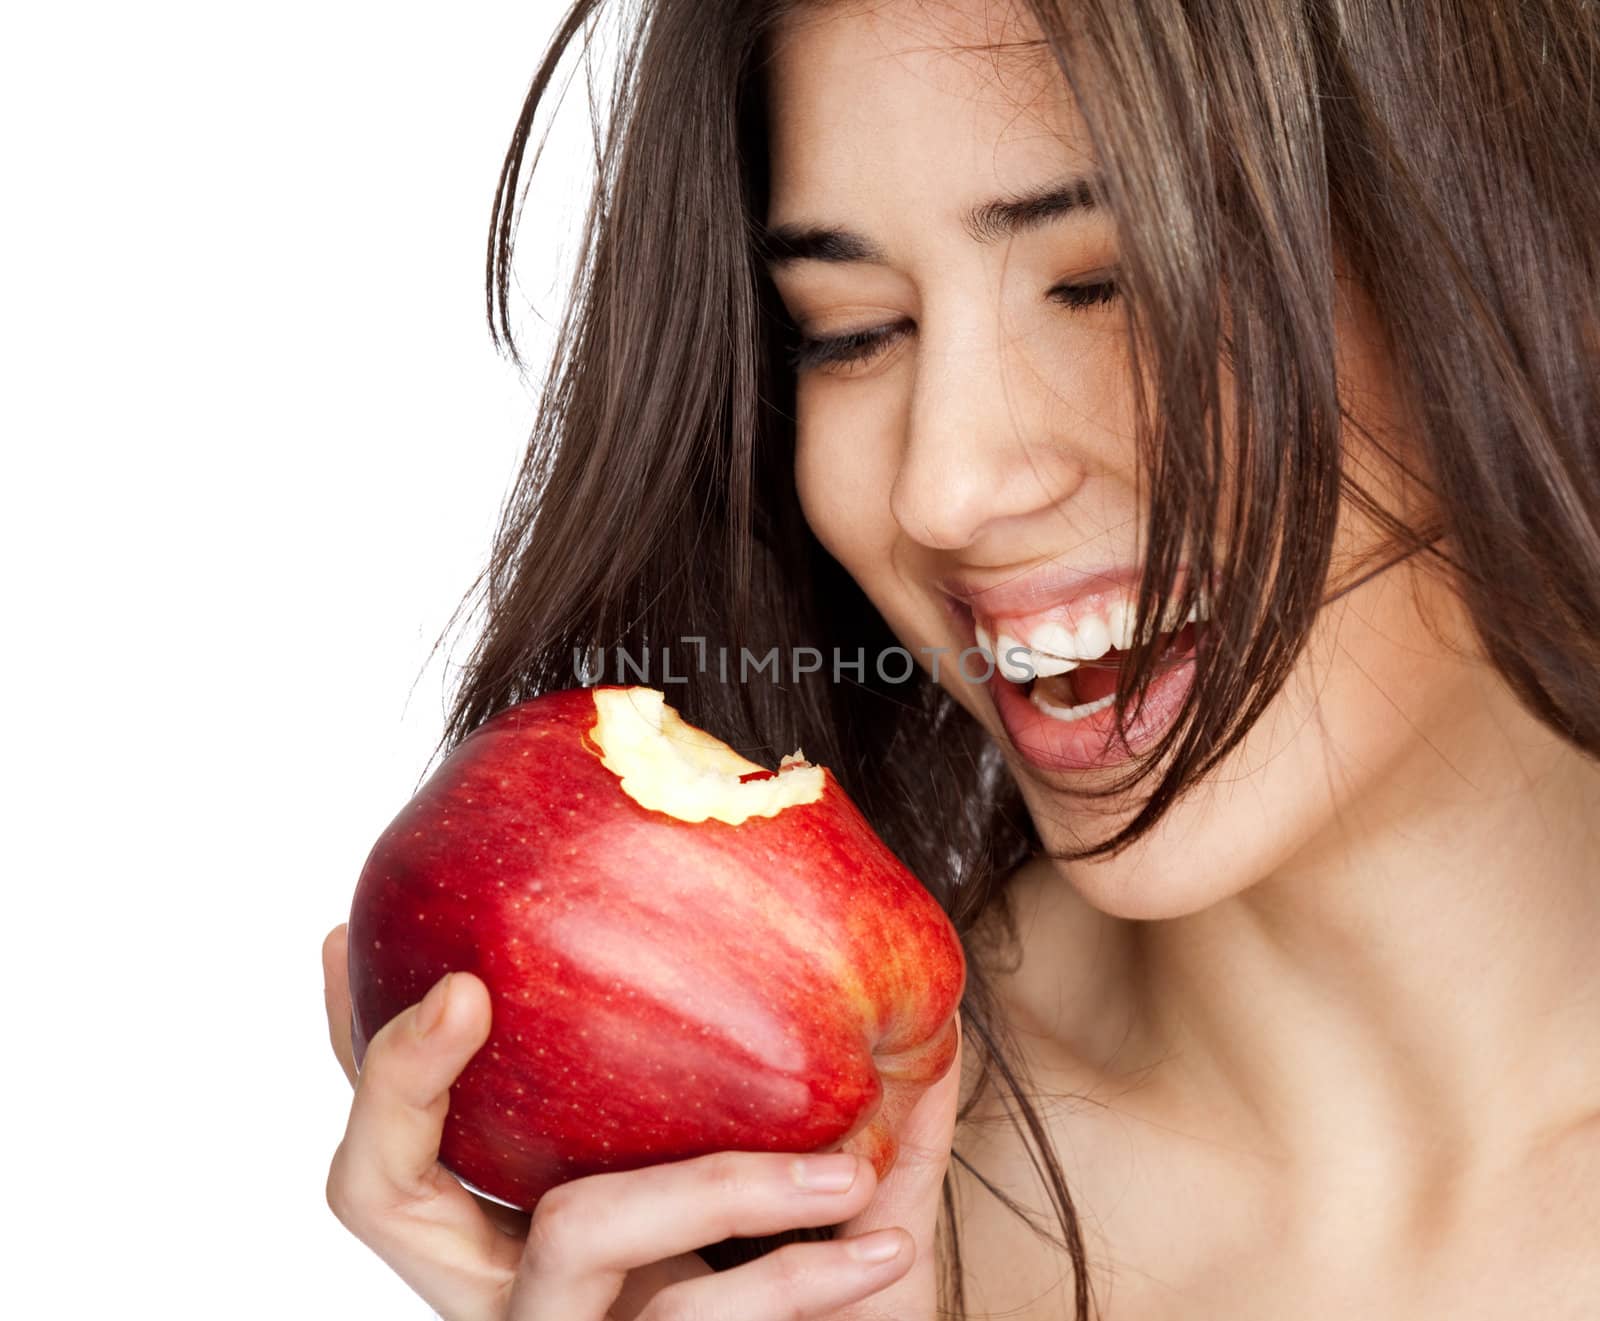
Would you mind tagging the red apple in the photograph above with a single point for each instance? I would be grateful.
(685, 952)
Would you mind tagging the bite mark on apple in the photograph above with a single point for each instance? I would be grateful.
(667, 765)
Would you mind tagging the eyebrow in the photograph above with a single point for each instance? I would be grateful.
(987, 222)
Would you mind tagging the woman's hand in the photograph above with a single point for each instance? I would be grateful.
(614, 1247)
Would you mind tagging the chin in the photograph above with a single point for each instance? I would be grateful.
(1196, 856)
(1325, 766)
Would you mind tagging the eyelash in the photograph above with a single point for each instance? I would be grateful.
(806, 354)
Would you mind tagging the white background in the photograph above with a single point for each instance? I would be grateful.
(255, 438)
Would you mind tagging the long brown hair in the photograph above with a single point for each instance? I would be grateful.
(1444, 149)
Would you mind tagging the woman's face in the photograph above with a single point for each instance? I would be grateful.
(975, 467)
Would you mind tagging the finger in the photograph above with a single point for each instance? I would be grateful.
(588, 1234)
(911, 1194)
(336, 993)
(403, 1091)
(385, 1182)
(336, 997)
(803, 1280)
(911, 1191)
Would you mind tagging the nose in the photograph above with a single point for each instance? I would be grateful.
(978, 459)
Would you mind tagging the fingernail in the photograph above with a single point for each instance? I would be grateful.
(877, 1248)
(825, 1174)
(430, 1013)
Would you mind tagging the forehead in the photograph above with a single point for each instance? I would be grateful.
(899, 106)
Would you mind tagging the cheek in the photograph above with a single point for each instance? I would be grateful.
(1383, 691)
(844, 476)
(844, 472)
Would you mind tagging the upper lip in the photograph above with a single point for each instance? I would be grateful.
(1045, 587)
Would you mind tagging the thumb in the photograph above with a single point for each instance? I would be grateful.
(910, 1194)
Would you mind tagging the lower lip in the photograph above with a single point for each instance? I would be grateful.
(1090, 743)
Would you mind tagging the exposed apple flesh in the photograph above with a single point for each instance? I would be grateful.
(686, 952)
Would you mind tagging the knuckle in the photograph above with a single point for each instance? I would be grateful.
(794, 1276)
(357, 1193)
(381, 1047)
(674, 1303)
(556, 1229)
(729, 1177)
(730, 1182)
(340, 1191)
(387, 1064)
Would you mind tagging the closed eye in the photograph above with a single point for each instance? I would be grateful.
(1084, 295)
(862, 346)
(859, 346)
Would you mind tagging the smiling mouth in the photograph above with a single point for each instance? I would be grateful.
(1090, 685)
(1066, 659)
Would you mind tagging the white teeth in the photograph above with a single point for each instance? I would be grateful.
(1054, 638)
(1067, 714)
(1046, 665)
(1053, 648)
(1119, 624)
(1093, 639)
(1015, 668)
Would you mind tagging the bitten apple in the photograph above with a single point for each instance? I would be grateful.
(685, 952)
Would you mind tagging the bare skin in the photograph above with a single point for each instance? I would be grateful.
(1320, 1046)
(1331, 1026)
(618, 1247)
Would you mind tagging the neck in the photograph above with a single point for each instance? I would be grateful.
(1428, 975)
(1418, 991)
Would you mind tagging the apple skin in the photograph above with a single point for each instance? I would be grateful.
(660, 988)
